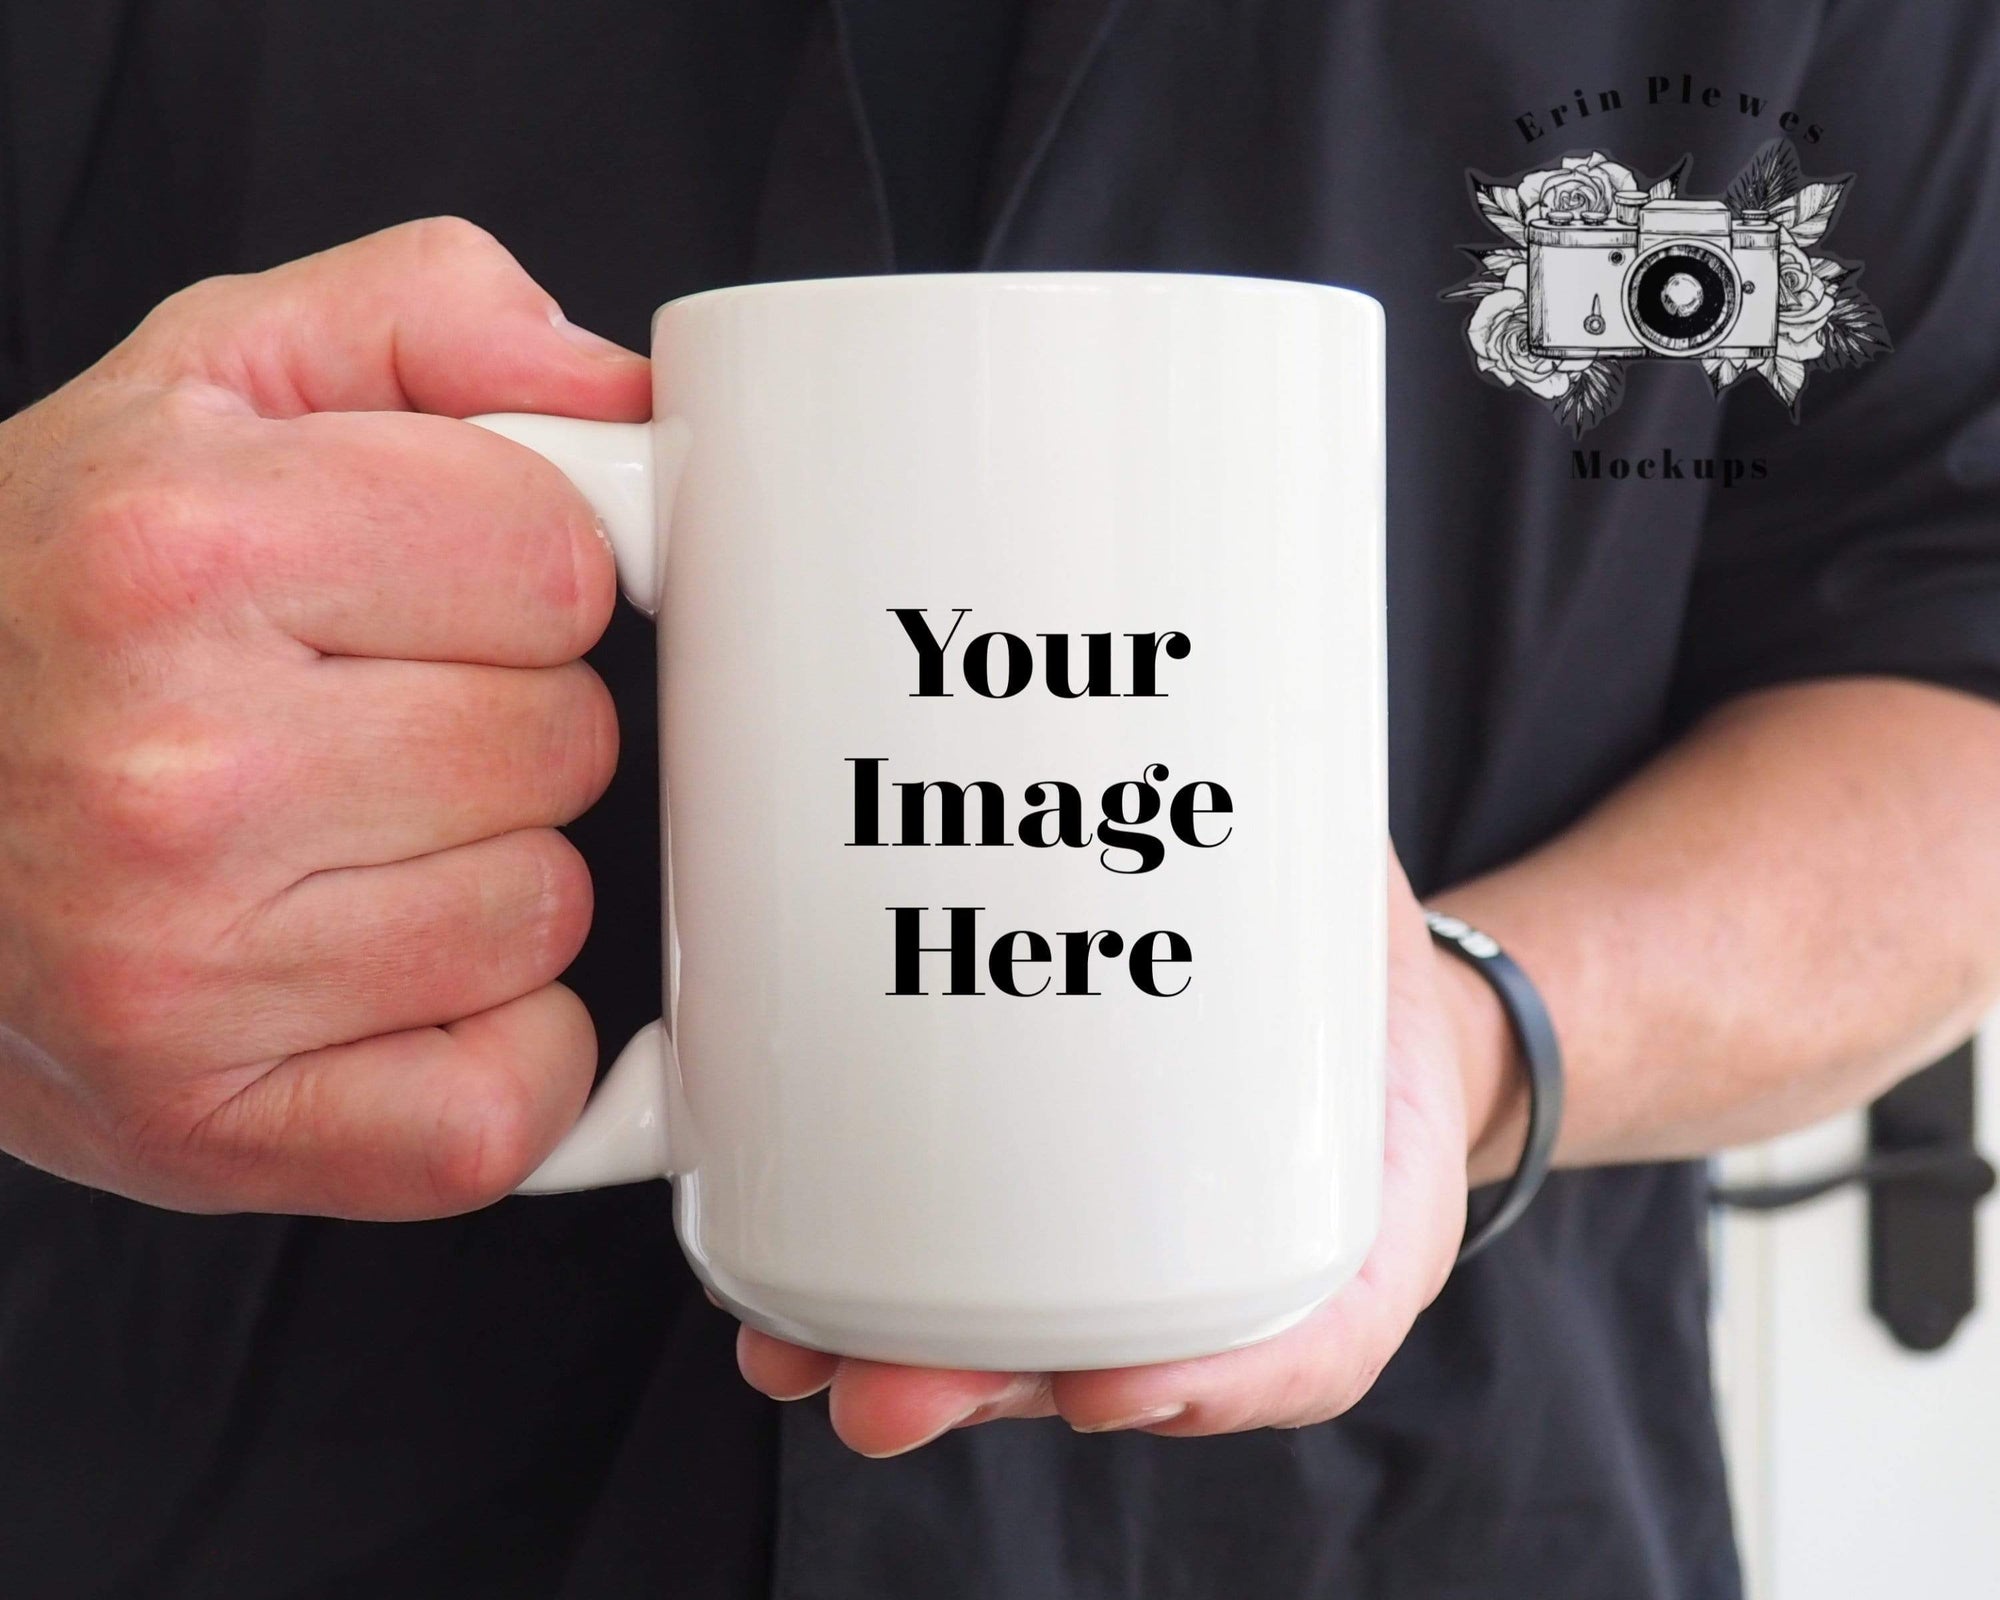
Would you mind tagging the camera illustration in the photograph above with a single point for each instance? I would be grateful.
(1653, 277)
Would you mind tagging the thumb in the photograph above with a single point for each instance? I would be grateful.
(431, 316)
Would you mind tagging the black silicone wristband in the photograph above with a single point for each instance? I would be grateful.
(1540, 1051)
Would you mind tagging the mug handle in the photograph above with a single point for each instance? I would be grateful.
(627, 1133)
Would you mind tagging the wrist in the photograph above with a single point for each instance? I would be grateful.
(1491, 1072)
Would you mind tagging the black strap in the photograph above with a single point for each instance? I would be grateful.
(1536, 1035)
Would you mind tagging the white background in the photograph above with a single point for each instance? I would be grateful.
(1859, 1469)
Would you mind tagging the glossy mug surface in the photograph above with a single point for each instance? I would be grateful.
(1022, 704)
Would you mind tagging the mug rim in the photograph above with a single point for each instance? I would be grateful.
(1031, 280)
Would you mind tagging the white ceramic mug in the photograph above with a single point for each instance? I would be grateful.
(1106, 550)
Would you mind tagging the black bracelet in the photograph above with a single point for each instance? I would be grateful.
(1536, 1035)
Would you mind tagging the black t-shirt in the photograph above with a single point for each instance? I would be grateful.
(932, 76)
(535, 1400)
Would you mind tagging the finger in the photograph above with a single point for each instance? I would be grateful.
(418, 538)
(1314, 1370)
(1031, 1394)
(426, 1123)
(361, 951)
(429, 316)
(890, 1408)
(880, 1410)
(782, 1370)
(387, 760)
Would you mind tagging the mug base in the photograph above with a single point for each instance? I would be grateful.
(1021, 1339)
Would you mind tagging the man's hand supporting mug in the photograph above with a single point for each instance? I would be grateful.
(294, 708)
(1771, 922)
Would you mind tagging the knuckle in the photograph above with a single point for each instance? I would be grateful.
(597, 731)
(500, 933)
(565, 579)
(486, 1138)
(163, 795)
(212, 293)
(119, 998)
(560, 562)
(593, 571)
(181, 334)
(197, 304)
(126, 519)
(586, 586)
(581, 741)
(450, 241)
(189, 408)
(564, 907)
(150, 549)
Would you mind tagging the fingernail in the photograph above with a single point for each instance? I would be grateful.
(1138, 1419)
(917, 1444)
(591, 344)
(1002, 1403)
(802, 1394)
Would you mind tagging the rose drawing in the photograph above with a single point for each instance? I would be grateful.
(1581, 183)
(1805, 300)
(1499, 337)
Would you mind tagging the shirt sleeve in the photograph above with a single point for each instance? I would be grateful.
(1872, 543)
